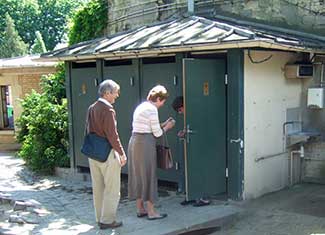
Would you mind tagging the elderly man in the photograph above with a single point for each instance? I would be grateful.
(106, 175)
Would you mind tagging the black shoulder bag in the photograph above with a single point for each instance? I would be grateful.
(95, 146)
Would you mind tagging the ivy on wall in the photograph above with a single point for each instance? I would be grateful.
(89, 22)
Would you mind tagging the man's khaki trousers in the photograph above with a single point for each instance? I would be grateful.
(106, 182)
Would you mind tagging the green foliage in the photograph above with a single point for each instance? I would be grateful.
(89, 22)
(24, 13)
(54, 85)
(47, 16)
(11, 44)
(53, 17)
(44, 127)
(38, 46)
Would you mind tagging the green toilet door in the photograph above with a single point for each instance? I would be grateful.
(205, 125)
(125, 73)
(84, 82)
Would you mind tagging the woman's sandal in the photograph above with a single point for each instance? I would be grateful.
(160, 216)
(142, 214)
(185, 202)
(201, 202)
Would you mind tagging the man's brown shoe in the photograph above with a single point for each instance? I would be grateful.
(115, 224)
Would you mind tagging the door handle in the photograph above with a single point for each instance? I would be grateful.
(189, 131)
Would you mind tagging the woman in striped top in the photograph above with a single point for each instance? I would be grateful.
(142, 164)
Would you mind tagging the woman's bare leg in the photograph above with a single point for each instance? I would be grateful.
(140, 206)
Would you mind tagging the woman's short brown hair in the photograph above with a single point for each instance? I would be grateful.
(156, 92)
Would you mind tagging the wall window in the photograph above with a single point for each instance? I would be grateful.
(6, 109)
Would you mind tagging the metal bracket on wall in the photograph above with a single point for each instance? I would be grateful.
(240, 141)
(131, 81)
(175, 80)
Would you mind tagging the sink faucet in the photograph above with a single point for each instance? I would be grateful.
(289, 123)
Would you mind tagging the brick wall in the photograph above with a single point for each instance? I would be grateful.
(29, 82)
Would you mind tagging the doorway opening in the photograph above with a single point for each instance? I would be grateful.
(6, 108)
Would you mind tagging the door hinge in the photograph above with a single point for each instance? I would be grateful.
(226, 79)
(227, 172)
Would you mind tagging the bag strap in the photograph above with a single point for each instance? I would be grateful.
(87, 123)
(165, 140)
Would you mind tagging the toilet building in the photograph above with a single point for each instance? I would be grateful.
(237, 97)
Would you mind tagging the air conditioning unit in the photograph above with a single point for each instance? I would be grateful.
(299, 71)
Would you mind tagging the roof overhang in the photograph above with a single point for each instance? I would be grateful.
(184, 35)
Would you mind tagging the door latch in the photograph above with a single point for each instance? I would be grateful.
(188, 131)
(239, 140)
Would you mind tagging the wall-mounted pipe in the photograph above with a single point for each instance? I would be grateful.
(301, 153)
(269, 156)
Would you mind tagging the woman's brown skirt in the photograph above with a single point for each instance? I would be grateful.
(142, 167)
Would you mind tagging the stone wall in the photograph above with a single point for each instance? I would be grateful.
(308, 16)
(296, 14)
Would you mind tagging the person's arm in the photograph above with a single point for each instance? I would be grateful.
(112, 135)
(156, 129)
(166, 122)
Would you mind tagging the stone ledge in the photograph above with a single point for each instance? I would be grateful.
(69, 173)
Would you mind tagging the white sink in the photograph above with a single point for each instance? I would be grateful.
(300, 137)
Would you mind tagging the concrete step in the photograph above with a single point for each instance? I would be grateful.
(8, 141)
(181, 220)
(9, 147)
(7, 137)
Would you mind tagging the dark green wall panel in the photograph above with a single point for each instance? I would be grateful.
(235, 123)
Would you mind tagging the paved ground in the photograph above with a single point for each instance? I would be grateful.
(299, 210)
(64, 206)
(61, 206)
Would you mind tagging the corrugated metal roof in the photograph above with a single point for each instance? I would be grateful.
(187, 34)
(24, 62)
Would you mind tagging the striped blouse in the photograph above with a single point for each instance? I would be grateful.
(146, 120)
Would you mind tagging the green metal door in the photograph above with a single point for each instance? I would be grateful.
(125, 73)
(164, 71)
(84, 92)
(205, 125)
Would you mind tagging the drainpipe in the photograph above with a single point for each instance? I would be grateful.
(190, 7)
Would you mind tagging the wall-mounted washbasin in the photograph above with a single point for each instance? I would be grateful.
(300, 137)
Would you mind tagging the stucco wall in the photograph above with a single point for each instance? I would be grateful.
(267, 97)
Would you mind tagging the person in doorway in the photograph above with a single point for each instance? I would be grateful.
(106, 175)
(142, 165)
(178, 106)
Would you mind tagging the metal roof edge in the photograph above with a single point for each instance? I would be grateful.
(197, 47)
